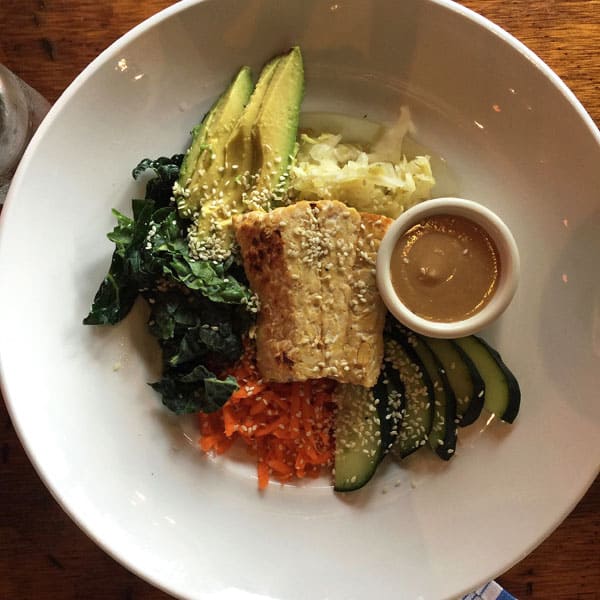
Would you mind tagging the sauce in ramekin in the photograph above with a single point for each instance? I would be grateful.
(445, 268)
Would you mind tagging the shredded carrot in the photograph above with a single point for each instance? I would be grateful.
(288, 426)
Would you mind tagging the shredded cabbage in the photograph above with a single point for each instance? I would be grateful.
(381, 181)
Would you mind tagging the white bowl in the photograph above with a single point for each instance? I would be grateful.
(122, 467)
(508, 255)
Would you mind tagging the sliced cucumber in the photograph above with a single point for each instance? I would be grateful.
(390, 401)
(367, 424)
(465, 380)
(442, 437)
(358, 448)
(417, 416)
(502, 392)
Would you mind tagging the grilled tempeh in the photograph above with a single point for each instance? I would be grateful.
(312, 265)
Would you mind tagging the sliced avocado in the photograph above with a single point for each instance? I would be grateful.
(246, 165)
(276, 126)
(206, 152)
(238, 149)
(229, 181)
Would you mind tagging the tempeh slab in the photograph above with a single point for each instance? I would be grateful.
(312, 265)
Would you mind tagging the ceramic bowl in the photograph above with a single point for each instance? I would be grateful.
(502, 126)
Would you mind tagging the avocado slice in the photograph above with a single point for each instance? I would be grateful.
(211, 235)
(238, 149)
(205, 154)
(276, 127)
(246, 165)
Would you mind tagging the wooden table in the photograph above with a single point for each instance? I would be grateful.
(42, 553)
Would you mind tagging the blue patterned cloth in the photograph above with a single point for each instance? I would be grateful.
(490, 591)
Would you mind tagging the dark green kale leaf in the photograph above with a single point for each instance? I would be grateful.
(122, 234)
(207, 278)
(166, 171)
(153, 245)
(190, 328)
(169, 253)
(199, 310)
(130, 269)
(116, 295)
(196, 391)
(193, 331)
(203, 340)
(119, 289)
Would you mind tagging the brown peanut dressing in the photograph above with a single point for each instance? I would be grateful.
(445, 268)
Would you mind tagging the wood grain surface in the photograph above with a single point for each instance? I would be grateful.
(42, 553)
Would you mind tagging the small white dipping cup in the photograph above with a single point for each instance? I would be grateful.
(509, 267)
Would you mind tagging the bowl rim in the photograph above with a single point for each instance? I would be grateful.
(60, 494)
(507, 282)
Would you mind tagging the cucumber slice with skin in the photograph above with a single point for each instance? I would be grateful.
(358, 448)
(417, 415)
(390, 400)
(442, 437)
(502, 392)
(464, 378)
(367, 424)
